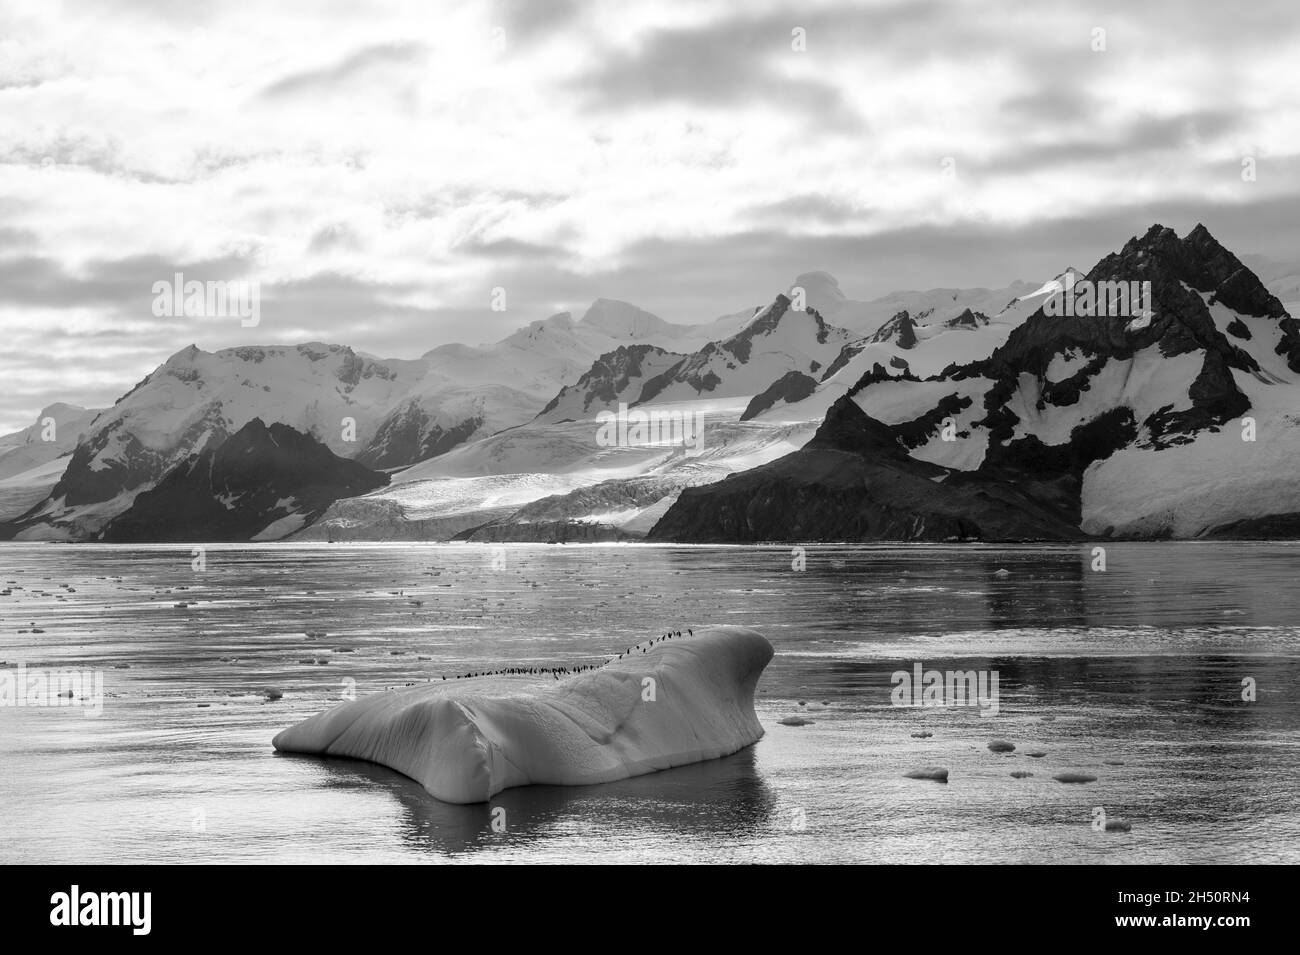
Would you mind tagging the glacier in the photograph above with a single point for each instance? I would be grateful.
(675, 701)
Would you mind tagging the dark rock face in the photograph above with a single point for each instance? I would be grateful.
(83, 484)
(855, 481)
(791, 387)
(967, 319)
(1180, 323)
(900, 330)
(694, 369)
(878, 373)
(915, 433)
(233, 491)
(113, 462)
(740, 343)
(1092, 441)
(1289, 346)
(846, 355)
(407, 437)
(853, 349)
(610, 376)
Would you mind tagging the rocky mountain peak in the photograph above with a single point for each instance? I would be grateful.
(899, 330)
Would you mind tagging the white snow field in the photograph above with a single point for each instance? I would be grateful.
(938, 345)
(540, 460)
(32, 460)
(682, 700)
(929, 306)
(1221, 476)
(352, 402)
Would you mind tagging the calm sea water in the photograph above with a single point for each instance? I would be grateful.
(1133, 675)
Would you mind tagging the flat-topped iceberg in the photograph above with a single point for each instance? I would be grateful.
(681, 700)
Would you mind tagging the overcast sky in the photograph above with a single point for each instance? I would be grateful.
(379, 168)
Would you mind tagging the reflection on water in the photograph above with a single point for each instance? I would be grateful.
(697, 800)
(1133, 675)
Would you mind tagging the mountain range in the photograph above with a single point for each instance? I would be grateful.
(951, 414)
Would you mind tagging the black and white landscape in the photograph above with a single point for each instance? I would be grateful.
(848, 432)
(953, 419)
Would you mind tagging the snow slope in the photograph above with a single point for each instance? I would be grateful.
(552, 471)
(777, 340)
(945, 335)
(617, 376)
(465, 740)
(262, 483)
(1182, 420)
(1216, 478)
(932, 306)
(30, 465)
(1061, 376)
(386, 413)
(556, 475)
(197, 399)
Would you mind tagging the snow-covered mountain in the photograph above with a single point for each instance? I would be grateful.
(543, 479)
(1177, 418)
(821, 292)
(854, 480)
(623, 323)
(557, 464)
(550, 479)
(908, 345)
(196, 400)
(1280, 278)
(438, 415)
(33, 459)
(935, 414)
(470, 392)
(386, 413)
(777, 340)
(262, 483)
(617, 376)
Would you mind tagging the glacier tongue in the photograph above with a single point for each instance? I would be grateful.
(682, 700)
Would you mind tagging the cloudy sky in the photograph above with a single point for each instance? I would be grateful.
(378, 168)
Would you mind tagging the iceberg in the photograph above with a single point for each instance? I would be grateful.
(679, 700)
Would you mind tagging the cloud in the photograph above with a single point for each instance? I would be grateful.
(11, 238)
(810, 207)
(381, 169)
(732, 64)
(115, 285)
(347, 70)
(529, 19)
(334, 236)
(511, 249)
(1130, 142)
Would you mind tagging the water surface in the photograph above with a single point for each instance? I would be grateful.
(1132, 674)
